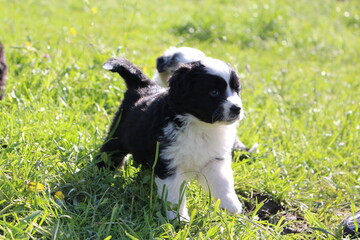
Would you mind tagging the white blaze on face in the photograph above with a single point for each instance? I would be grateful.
(232, 100)
(223, 70)
(217, 68)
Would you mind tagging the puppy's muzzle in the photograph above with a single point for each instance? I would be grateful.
(233, 113)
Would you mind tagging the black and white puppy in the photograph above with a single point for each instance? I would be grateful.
(194, 121)
(171, 60)
(166, 65)
(3, 71)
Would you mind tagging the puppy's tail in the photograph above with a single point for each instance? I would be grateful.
(134, 77)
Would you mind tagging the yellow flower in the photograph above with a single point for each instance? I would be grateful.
(28, 44)
(36, 186)
(145, 70)
(73, 31)
(94, 10)
(59, 195)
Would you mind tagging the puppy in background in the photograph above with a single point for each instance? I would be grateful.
(3, 71)
(170, 61)
(194, 121)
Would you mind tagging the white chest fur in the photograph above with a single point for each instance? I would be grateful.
(197, 143)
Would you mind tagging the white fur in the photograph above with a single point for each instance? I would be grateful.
(187, 55)
(217, 177)
(197, 142)
(108, 66)
(233, 99)
(203, 151)
(169, 190)
(161, 79)
(217, 67)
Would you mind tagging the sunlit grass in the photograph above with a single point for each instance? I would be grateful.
(299, 65)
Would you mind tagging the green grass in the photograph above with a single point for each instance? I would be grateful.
(300, 68)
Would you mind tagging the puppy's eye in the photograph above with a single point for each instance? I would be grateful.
(214, 93)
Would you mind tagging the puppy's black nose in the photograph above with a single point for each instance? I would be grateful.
(235, 109)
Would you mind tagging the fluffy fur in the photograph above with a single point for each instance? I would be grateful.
(170, 61)
(194, 121)
(3, 72)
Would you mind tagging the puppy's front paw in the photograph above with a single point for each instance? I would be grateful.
(231, 205)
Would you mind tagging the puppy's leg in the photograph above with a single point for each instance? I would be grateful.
(172, 189)
(238, 145)
(114, 160)
(111, 155)
(217, 177)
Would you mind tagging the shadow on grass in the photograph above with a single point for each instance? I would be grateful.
(100, 203)
(267, 208)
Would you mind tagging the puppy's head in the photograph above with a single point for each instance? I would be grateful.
(171, 59)
(208, 89)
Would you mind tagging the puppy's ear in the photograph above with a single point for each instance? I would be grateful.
(161, 63)
(235, 82)
(179, 83)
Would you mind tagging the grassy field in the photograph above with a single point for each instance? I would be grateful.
(299, 62)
